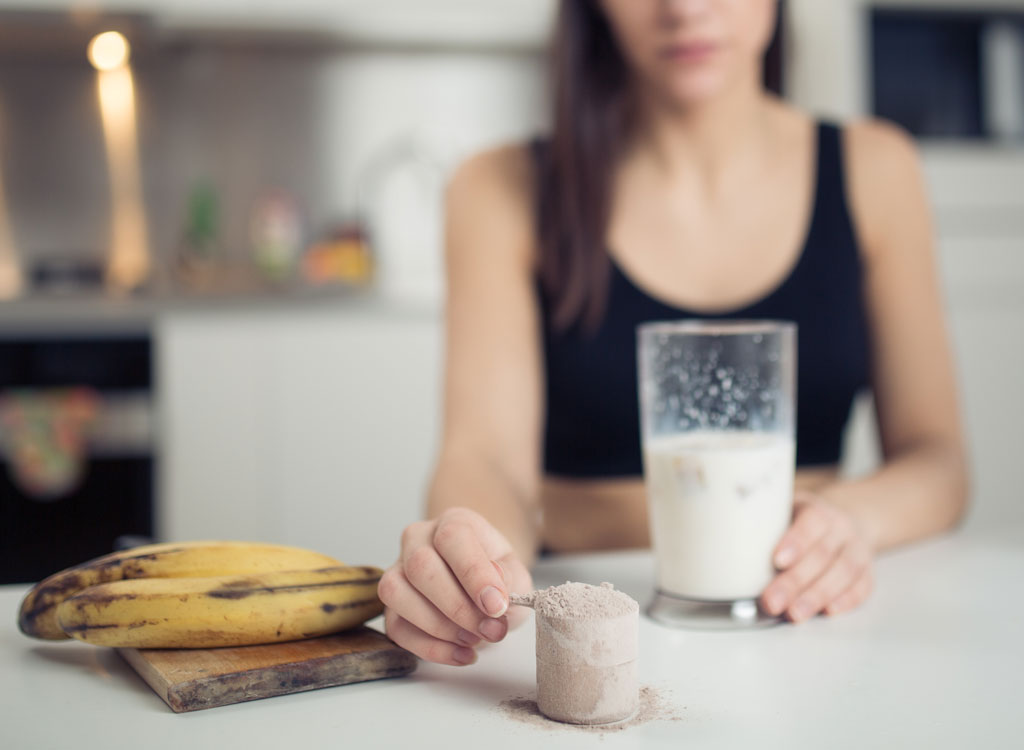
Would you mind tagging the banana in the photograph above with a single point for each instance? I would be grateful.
(222, 610)
(38, 614)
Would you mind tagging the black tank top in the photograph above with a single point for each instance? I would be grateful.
(592, 423)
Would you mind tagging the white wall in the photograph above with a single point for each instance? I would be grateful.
(826, 61)
(395, 123)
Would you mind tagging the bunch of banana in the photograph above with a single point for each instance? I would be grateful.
(201, 595)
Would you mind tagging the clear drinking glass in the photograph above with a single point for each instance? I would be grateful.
(717, 414)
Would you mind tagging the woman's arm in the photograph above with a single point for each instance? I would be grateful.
(921, 489)
(490, 450)
(450, 586)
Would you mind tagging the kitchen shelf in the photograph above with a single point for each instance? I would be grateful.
(109, 314)
(448, 23)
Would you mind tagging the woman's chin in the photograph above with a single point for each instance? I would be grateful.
(693, 90)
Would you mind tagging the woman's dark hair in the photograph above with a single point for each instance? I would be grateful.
(592, 116)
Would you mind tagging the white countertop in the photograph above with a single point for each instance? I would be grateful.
(100, 314)
(935, 659)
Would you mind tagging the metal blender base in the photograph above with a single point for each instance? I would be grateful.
(695, 614)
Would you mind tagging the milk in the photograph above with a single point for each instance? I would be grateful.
(719, 503)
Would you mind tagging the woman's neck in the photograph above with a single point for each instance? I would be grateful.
(706, 140)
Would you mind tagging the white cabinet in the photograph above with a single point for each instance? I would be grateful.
(314, 426)
(979, 207)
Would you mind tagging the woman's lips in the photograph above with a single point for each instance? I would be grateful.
(692, 52)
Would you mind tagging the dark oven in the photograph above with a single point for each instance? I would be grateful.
(78, 458)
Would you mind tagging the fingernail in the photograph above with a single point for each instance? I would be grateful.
(499, 568)
(466, 638)
(493, 630)
(784, 556)
(463, 655)
(493, 601)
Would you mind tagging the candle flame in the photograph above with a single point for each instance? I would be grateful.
(11, 279)
(108, 51)
(128, 262)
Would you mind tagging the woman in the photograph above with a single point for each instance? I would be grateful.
(673, 186)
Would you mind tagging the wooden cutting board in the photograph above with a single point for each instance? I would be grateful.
(192, 679)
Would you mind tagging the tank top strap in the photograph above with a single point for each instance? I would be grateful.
(831, 218)
(830, 157)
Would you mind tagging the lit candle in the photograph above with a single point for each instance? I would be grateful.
(11, 279)
(128, 261)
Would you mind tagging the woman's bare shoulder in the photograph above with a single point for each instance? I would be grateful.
(878, 145)
(504, 173)
(884, 176)
(491, 195)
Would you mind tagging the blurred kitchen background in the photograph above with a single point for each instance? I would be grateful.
(220, 246)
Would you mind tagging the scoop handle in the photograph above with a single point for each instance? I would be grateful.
(522, 600)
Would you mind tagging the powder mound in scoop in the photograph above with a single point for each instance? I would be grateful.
(582, 601)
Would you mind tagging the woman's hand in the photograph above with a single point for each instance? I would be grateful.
(449, 589)
(824, 563)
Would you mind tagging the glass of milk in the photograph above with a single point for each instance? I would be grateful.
(717, 413)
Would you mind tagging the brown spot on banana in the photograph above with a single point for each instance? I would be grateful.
(83, 628)
(329, 607)
(234, 591)
(37, 615)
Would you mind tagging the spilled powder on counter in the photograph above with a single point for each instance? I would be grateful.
(586, 653)
(654, 706)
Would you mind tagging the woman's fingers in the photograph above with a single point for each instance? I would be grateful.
(399, 596)
(790, 584)
(457, 540)
(825, 564)
(433, 556)
(844, 570)
(431, 577)
(854, 595)
(810, 524)
(519, 581)
(424, 645)
(450, 583)
(515, 574)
